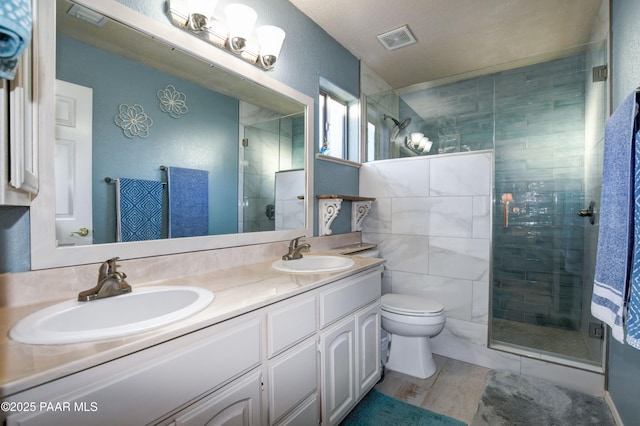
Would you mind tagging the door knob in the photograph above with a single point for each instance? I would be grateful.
(83, 232)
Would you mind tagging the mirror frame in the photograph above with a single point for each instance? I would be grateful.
(44, 252)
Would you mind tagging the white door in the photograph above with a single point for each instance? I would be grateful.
(74, 121)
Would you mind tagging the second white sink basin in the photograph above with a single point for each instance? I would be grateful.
(143, 309)
(314, 264)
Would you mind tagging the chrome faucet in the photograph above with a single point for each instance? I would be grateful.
(110, 283)
(295, 248)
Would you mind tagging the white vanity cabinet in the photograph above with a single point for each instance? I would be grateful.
(149, 385)
(276, 365)
(349, 343)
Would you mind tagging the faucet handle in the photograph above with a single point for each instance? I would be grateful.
(294, 242)
(112, 266)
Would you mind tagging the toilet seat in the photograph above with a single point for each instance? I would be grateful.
(403, 304)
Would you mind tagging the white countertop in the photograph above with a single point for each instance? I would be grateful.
(237, 291)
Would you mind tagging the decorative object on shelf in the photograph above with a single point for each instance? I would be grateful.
(234, 35)
(133, 121)
(329, 207)
(173, 102)
(359, 212)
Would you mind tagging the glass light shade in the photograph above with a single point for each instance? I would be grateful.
(240, 19)
(270, 38)
(425, 145)
(200, 13)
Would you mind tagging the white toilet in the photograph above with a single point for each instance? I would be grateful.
(412, 321)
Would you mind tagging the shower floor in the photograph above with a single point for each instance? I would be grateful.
(566, 343)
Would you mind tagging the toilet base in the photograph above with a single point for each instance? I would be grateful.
(411, 356)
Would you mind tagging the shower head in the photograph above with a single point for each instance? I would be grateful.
(401, 124)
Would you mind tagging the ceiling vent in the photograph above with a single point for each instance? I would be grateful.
(395, 39)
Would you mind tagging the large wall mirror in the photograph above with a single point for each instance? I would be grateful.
(163, 143)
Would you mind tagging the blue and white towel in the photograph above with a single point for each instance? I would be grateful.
(633, 315)
(188, 202)
(139, 209)
(15, 34)
(615, 238)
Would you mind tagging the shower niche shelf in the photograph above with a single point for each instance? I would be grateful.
(330, 204)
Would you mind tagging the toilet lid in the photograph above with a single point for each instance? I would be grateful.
(410, 305)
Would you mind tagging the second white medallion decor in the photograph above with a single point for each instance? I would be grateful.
(173, 102)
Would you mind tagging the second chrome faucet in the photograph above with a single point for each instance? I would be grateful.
(295, 249)
(111, 282)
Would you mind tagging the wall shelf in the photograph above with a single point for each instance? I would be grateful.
(329, 206)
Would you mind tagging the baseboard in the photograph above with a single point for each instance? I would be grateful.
(612, 407)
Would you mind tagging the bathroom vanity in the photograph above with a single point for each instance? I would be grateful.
(273, 348)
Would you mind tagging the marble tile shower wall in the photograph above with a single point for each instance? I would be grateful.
(431, 221)
(534, 118)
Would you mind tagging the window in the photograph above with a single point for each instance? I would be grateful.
(333, 125)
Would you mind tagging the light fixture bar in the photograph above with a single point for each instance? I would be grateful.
(233, 37)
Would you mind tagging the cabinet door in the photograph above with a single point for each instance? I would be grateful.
(337, 345)
(236, 404)
(368, 348)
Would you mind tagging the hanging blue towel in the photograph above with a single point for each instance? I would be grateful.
(15, 34)
(615, 238)
(188, 202)
(139, 209)
(633, 315)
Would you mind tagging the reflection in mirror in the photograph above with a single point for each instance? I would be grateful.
(131, 119)
(142, 101)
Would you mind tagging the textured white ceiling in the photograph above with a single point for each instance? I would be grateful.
(454, 36)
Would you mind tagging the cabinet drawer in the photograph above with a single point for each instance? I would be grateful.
(290, 323)
(164, 377)
(292, 378)
(349, 296)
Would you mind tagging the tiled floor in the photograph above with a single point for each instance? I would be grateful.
(454, 390)
(549, 339)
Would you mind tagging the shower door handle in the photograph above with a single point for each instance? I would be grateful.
(588, 212)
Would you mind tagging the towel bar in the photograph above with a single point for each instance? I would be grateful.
(112, 180)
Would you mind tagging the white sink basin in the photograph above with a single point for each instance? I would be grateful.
(141, 310)
(314, 264)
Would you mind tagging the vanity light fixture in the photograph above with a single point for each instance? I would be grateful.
(234, 35)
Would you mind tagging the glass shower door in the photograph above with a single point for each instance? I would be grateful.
(548, 156)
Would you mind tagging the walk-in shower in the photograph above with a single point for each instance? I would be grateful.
(544, 123)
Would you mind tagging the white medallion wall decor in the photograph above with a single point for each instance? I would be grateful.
(173, 102)
(133, 121)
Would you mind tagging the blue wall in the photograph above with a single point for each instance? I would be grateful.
(308, 53)
(624, 361)
(203, 138)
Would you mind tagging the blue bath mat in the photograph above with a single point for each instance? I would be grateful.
(378, 409)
